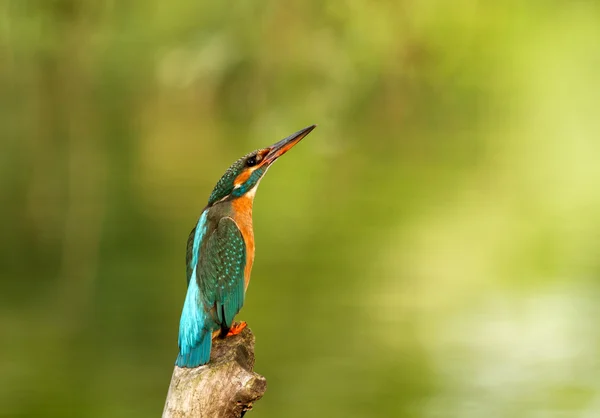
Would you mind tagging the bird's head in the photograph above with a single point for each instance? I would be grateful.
(243, 176)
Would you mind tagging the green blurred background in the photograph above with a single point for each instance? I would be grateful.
(430, 250)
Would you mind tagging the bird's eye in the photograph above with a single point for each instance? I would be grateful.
(251, 161)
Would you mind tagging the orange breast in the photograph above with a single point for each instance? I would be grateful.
(242, 215)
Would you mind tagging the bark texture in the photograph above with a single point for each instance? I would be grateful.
(226, 387)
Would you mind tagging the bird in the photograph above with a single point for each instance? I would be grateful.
(220, 255)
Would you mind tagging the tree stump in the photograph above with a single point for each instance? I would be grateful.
(226, 387)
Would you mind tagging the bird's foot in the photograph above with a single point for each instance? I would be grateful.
(236, 328)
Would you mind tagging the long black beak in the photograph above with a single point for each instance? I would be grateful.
(278, 149)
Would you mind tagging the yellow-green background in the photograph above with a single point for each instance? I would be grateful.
(431, 250)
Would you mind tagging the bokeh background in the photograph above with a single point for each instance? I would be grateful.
(430, 250)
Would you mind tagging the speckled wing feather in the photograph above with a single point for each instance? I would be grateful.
(221, 272)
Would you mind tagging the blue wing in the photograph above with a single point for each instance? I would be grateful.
(221, 272)
(215, 288)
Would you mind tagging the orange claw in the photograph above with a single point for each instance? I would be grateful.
(236, 328)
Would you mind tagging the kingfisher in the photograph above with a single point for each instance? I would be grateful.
(220, 254)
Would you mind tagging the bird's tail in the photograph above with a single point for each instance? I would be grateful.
(197, 355)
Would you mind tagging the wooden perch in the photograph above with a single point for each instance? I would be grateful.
(224, 388)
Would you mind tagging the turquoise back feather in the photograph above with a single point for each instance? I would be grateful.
(194, 326)
(216, 264)
(194, 339)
